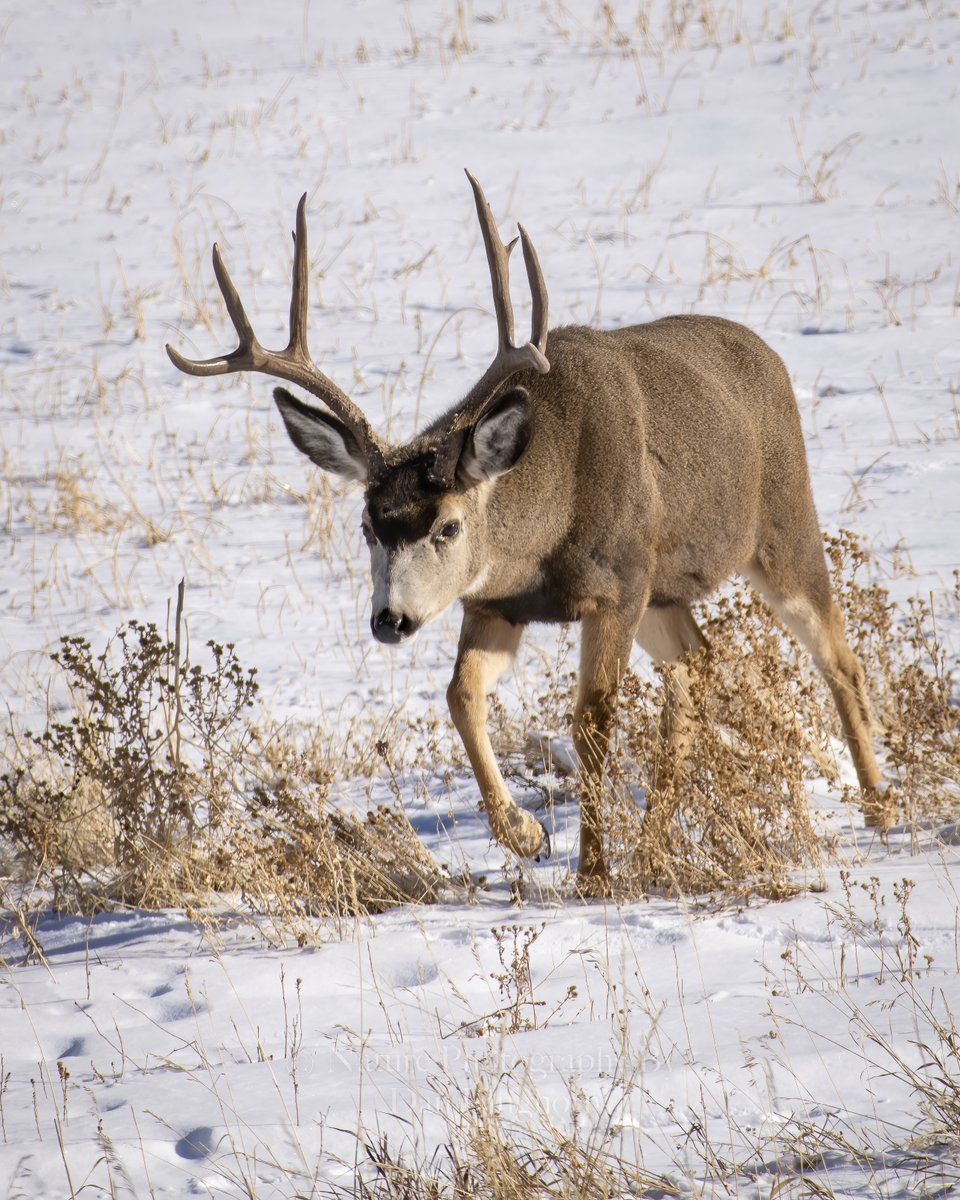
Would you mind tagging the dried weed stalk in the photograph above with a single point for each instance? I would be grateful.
(733, 816)
(911, 683)
(294, 856)
(158, 790)
(153, 793)
(489, 1155)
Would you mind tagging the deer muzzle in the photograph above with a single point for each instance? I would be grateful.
(392, 627)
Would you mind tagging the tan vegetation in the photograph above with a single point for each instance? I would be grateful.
(153, 794)
(734, 816)
(159, 789)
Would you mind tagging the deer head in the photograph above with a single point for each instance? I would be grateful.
(424, 514)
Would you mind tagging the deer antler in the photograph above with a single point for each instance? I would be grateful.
(509, 358)
(294, 362)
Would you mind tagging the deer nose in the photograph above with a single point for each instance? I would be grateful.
(391, 627)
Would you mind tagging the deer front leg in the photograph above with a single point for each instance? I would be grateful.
(604, 655)
(487, 648)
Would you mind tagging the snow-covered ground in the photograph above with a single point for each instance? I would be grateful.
(792, 165)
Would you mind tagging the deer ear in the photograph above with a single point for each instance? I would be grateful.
(322, 438)
(496, 443)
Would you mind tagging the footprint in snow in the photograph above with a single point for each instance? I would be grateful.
(179, 1011)
(412, 975)
(197, 1143)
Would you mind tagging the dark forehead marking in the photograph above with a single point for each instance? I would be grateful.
(410, 523)
(404, 504)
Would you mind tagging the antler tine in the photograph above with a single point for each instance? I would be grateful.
(294, 363)
(241, 359)
(538, 293)
(498, 260)
(301, 285)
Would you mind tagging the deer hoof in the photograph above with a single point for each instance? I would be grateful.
(516, 830)
(593, 885)
(546, 848)
(880, 808)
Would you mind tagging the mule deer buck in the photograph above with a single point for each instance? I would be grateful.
(614, 483)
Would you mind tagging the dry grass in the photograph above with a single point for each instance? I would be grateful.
(488, 1155)
(734, 816)
(730, 813)
(154, 792)
(500, 1137)
(911, 682)
(158, 790)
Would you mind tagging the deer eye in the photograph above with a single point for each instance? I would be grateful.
(448, 532)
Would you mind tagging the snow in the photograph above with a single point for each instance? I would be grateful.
(659, 171)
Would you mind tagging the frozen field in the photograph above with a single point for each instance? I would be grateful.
(792, 165)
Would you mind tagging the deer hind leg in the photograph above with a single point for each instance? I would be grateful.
(667, 634)
(818, 626)
(604, 655)
(487, 648)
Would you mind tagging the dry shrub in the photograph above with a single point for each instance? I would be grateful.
(293, 856)
(152, 793)
(733, 816)
(911, 685)
(488, 1155)
(116, 800)
(158, 790)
